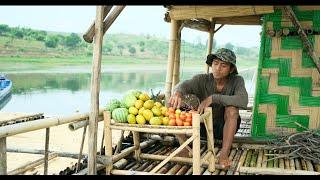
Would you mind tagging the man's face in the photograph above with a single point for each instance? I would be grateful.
(220, 69)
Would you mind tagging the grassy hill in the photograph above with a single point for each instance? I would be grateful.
(23, 45)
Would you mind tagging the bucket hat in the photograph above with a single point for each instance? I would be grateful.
(223, 54)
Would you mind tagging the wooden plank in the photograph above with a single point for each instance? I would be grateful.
(95, 89)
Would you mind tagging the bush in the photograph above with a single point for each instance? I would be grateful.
(51, 42)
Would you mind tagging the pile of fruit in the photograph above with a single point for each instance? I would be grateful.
(138, 107)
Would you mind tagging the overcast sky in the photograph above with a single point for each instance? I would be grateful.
(133, 20)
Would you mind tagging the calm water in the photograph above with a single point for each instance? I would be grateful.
(67, 93)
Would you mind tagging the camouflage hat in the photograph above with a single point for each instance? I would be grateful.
(224, 55)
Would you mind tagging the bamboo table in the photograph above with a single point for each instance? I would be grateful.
(193, 130)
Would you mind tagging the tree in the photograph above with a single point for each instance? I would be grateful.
(51, 42)
(107, 48)
(120, 47)
(17, 32)
(4, 29)
(73, 40)
(132, 50)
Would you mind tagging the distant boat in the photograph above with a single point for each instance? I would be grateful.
(5, 87)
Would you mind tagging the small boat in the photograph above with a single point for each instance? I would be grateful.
(5, 87)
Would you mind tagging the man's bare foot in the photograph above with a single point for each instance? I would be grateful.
(224, 160)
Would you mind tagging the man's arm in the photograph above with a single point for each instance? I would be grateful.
(239, 99)
(191, 86)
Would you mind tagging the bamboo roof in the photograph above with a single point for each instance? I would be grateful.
(200, 17)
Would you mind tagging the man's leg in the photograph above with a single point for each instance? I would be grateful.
(231, 115)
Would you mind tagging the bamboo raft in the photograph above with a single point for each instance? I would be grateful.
(246, 159)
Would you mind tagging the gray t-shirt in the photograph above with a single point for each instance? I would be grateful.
(233, 93)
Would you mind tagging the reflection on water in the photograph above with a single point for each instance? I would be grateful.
(5, 100)
(67, 93)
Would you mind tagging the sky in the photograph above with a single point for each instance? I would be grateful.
(132, 20)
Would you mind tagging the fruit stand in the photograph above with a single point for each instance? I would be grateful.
(194, 137)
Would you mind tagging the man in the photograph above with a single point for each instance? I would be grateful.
(223, 90)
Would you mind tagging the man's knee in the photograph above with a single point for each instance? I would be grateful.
(231, 112)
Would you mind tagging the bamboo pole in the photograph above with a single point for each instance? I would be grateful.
(119, 144)
(88, 37)
(173, 154)
(154, 130)
(174, 169)
(275, 171)
(196, 144)
(167, 165)
(80, 124)
(120, 164)
(124, 172)
(183, 170)
(129, 150)
(231, 156)
(46, 152)
(81, 147)
(309, 165)
(248, 158)
(297, 163)
(108, 139)
(210, 42)
(28, 126)
(234, 162)
(171, 56)
(176, 64)
(31, 165)
(35, 151)
(95, 89)
(3, 156)
(136, 141)
(210, 138)
(259, 160)
(281, 161)
(307, 44)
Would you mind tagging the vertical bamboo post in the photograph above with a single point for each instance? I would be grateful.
(196, 144)
(108, 138)
(46, 152)
(3, 156)
(95, 88)
(209, 122)
(176, 66)
(136, 141)
(171, 56)
(210, 41)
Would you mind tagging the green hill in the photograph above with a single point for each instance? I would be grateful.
(25, 43)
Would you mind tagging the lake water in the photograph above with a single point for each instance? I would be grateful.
(67, 93)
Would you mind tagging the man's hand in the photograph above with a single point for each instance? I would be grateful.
(205, 103)
(175, 100)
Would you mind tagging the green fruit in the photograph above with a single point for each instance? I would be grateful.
(113, 104)
(129, 100)
(120, 115)
(131, 119)
(155, 121)
(140, 119)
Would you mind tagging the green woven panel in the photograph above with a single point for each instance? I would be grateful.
(303, 85)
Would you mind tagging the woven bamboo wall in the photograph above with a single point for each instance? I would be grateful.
(288, 85)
